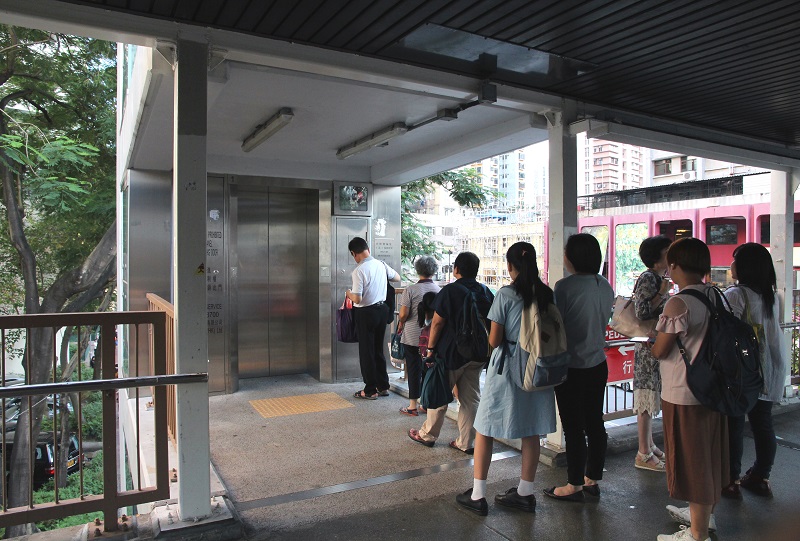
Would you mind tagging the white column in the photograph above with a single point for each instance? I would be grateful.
(563, 205)
(188, 242)
(781, 241)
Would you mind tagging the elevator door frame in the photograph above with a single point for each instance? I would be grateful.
(317, 344)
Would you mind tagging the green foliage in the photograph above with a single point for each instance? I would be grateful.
(57, 141)
(463, 185)
(92, 420)
(92, 484)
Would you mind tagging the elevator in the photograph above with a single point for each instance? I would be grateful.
(276, 268)
(262, 287)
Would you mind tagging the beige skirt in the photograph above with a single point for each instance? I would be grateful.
(696, 444)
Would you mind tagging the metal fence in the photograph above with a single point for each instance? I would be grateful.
(36, 336)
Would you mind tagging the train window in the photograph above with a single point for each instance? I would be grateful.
(764, 222)
(717, 234)
(721, 277)
(627, 263)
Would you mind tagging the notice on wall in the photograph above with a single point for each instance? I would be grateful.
(215, 261)
(382, 248)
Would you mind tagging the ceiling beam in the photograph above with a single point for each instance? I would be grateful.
(684, 141)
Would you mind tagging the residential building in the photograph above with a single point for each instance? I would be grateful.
(608, 166)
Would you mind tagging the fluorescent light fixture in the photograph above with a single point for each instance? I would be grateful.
(372, 140)
(268, 129)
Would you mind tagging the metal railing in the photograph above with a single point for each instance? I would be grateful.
(157, 304)
(112, 498)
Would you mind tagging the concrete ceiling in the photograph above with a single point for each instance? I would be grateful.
(689, 69)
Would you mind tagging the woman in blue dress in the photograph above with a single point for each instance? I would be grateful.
(505, 410)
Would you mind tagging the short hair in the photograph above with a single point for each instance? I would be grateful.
(650, 249)
(357, 245)
(467, 264)
(691, 255)
(583, 251)
(426, 266)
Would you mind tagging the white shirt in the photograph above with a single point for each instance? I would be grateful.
(370, 278)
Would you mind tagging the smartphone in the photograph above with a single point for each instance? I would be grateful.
(642, 339)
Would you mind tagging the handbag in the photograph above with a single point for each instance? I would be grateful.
(346, 322)
(624, 320)
(397, 349)
(436, 389)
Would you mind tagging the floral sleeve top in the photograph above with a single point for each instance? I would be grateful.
(647, 287)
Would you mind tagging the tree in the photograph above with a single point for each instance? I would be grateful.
(57, 161)
(463, 185)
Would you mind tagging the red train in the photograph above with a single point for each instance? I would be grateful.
(721, 219)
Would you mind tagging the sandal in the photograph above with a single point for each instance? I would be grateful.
(364, 396)
(468, 451)
(658, 452)
(409, 411)
(643, 462)
(414, 435)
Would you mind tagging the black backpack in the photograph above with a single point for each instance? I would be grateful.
(472, 332)
(726, 373)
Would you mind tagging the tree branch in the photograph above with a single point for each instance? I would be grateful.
(84, 276)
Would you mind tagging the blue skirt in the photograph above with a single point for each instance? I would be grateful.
(508, 412)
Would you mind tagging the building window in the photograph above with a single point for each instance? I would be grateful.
(598, 161)
(688, 164)
(587, 176)
(662, 167)
(614, 161)
(598, 148)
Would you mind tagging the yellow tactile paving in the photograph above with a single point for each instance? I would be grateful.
(294, 405)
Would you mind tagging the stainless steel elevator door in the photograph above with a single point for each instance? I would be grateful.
(272, 232)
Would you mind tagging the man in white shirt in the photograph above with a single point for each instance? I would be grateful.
(370, 280)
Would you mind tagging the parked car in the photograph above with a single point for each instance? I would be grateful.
(44, 466)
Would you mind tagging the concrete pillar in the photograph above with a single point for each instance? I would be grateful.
(189, 281)
(563, 205)
(781, 241)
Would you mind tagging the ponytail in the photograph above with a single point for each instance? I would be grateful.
(425, 306)
(528, 284)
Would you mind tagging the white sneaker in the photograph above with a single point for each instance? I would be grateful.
(685, 534)
(681, 515)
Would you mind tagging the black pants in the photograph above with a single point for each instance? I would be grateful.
(371, 327)
(414, 367)
(764, 435)
(580, 405)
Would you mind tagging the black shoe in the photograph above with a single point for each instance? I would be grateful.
(575, 497)
(755, 484)
(479, 507)
(732, 491)
(512, 499)
(591, 492)
(384, 392)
